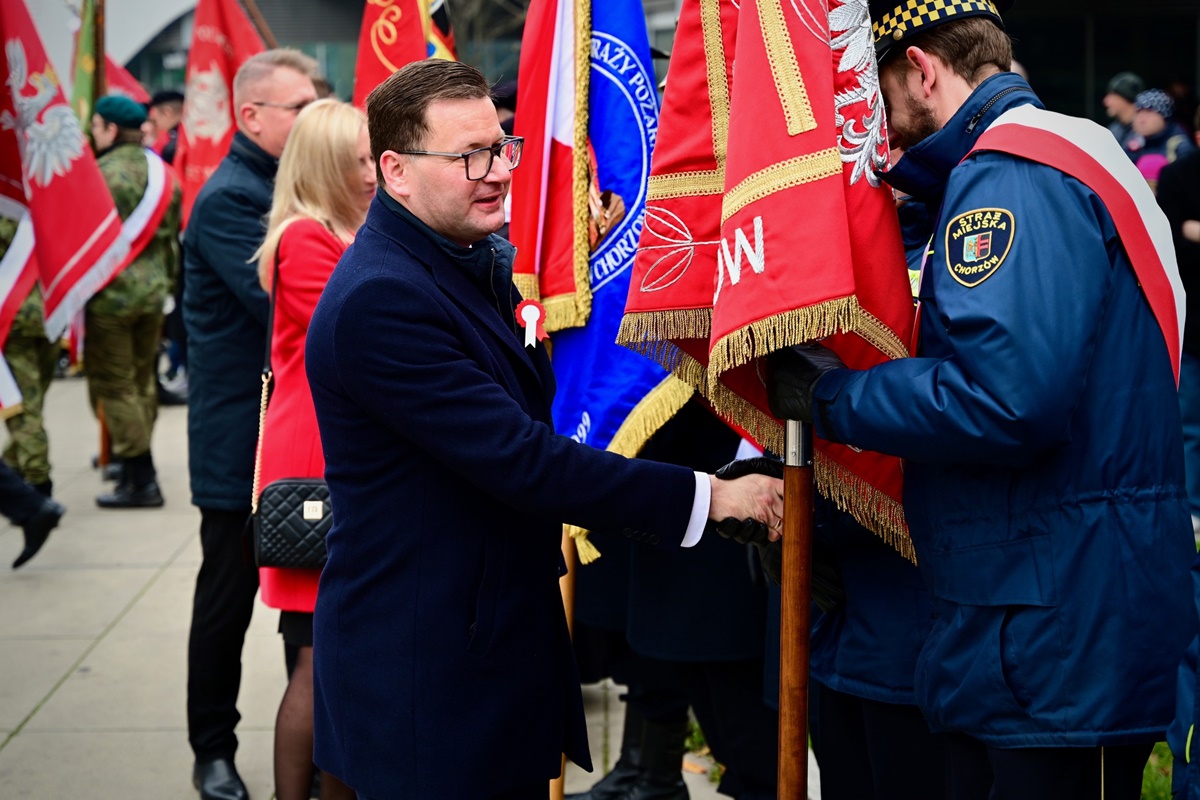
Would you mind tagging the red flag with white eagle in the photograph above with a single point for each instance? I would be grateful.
(393, 33)
(46, 166)
(222, 39)
(808, 245)
(550, 213)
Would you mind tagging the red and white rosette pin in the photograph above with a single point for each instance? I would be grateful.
(531, 315)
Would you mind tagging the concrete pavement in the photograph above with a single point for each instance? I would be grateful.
(93, 641)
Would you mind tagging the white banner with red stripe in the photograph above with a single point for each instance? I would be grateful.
(1089, 153)
(18, 273)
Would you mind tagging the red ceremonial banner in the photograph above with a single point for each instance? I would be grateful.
(668, 315)
(550, 190)
(46, 166)
(809, 245)
(121, 82)
(222, 39)
(393, 34)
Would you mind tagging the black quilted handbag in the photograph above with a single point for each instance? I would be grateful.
(291, 522)
(291, 515)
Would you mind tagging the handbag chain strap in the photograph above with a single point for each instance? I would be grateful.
(267, 375)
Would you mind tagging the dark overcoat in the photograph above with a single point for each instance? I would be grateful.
(442, 662)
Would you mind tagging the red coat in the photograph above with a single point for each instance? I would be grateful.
(308, 253)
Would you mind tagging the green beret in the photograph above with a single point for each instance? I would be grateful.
(121, 111)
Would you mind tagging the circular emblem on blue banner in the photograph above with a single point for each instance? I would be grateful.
(977, 243)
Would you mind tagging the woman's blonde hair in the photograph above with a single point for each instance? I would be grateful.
(317, 178)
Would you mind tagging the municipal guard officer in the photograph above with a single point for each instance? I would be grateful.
(124, 320)
(1044, 485)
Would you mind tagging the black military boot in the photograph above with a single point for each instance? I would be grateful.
(618, 783)
(663, 746)
(45, 488)
(138, 487)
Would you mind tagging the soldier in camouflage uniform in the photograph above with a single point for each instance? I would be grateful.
(31, 358)
(124, 320)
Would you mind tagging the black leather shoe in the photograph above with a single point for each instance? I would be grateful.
(218, 780)
(37, 529)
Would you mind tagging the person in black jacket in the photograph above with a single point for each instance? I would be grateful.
(225, 312)
(1179, 197)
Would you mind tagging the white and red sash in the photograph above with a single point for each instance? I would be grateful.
(1089, 153)
(138, 229)
(18, 273)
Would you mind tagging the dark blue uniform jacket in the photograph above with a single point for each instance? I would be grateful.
(1044, 465)
(442, 662)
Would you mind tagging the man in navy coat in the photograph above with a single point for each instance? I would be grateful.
(443, 668)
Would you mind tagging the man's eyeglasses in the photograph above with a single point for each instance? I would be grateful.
(479, 162)
(295, 108)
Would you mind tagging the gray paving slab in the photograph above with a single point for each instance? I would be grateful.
(31, 668)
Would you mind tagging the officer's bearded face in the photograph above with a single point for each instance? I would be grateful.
(910, 117)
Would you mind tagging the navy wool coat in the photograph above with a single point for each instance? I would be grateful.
(442, 662)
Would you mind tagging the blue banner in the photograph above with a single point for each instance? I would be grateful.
(601, 385)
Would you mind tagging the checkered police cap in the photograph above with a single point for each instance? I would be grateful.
(893, 21)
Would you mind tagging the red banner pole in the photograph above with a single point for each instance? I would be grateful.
(796, 612)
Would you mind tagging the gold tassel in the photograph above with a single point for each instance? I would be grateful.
(870, 507)
(584, 548)
(12, 411)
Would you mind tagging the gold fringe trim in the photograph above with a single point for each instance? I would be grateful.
(777, 177)
(12, 411)
(582, 299)
(789, 83)
(652, 412)
(702, 183)
(562, 311)
(718, 83)
(879, 336)
(870, 507)
(652, 327)
(527, 285)
(782, 330)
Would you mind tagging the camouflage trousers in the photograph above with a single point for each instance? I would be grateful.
(31, 360)
(120, 357)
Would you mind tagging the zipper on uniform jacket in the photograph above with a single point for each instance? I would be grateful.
(988, 105)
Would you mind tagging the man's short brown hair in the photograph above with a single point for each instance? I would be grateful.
(968, 46)
(396, 109)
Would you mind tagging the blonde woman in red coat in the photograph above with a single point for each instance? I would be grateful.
(324, 186)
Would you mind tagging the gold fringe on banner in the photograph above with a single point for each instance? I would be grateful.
(870, 507)
(527, 285)
(653, 411)
(651, 327)
(872, 330)
(782, 330)
(573, 310)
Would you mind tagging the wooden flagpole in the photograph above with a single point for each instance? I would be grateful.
(100, 76)
(566, 585)
(796, 612)
(260, 22)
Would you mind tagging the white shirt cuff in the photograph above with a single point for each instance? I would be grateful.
(700, 505)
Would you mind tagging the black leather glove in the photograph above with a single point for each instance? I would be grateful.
(827, 589)
(791, 375)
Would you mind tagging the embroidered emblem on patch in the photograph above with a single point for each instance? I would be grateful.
(977, 243)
